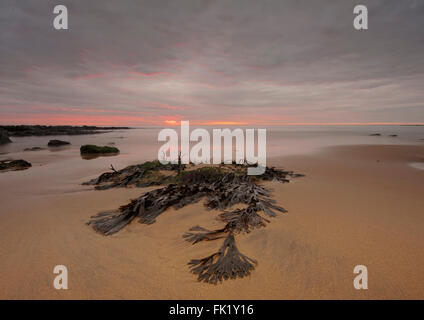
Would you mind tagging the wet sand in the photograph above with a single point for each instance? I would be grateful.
(356, 205)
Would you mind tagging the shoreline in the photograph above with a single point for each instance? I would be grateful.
(349, 209)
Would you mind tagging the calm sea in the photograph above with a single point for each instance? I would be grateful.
(62, 169)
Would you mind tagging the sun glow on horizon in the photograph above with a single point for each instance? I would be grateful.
(171, 122)
(133, 119)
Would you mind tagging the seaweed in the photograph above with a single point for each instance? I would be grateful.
(222, 187)
(227, 263)
(197, 234)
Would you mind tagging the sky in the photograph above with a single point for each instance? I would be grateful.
(142, 63)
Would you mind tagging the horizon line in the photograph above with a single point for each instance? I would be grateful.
(233, 123)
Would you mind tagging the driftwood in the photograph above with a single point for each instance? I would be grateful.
(222, 188)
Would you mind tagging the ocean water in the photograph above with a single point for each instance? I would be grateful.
(62, 169)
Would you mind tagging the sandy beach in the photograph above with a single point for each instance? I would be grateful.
(115, 114)
(358, 204)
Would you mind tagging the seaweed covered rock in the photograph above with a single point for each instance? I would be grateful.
(147, 174)
(57, 143)
(222, 187)
(4, 137)
(14, 165)
(93, 149)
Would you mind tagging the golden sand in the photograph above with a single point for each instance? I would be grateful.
(356, 205)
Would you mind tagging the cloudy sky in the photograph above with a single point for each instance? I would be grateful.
(133, 62)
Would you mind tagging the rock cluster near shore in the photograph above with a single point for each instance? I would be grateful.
(379, 135)
(222, 187)
(14, 165)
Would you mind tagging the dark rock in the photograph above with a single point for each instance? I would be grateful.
(393, 135)
(93, 149)
(37, 130)
(4, 137)
(57, 143)
(91, 156)
(33, 149)
(141, 175)
(375, 134)
(9, 165)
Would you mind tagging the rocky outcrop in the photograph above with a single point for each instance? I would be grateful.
(4, 137)
(150, 173)
(89, 151)
(93, 149)
(57, 143)
(36, 130)
(14, 165)
(33, 149)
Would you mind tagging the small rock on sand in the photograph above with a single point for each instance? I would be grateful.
(33, 149)
(57, 143)
(8, 165)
